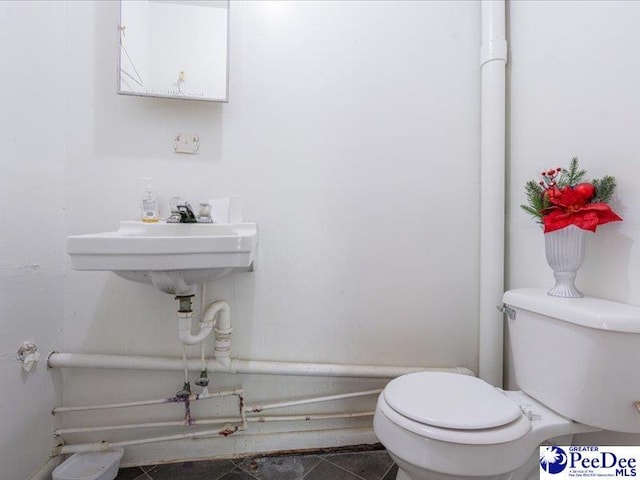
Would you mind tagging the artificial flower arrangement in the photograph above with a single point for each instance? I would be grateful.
(562, 198)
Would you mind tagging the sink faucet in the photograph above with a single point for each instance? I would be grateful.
(181, 212)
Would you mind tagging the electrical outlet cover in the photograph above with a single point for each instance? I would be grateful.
(187, 143)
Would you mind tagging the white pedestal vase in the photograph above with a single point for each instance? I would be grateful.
(565, 254)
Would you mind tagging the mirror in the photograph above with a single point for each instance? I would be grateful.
(174, 49)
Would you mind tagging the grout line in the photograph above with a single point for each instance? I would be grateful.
(342, 468)
(235, 467)
(319, 458)
(147, 468)
(244, 471)
(239, 468)
(144, 476)
(388, 470)
(312, 469)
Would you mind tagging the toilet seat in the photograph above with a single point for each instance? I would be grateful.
(452, 408)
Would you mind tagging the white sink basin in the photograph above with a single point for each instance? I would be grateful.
(175, 257)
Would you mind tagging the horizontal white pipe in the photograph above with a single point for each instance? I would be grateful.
(102, 446)
(192, 398)
(137, 362)
(108, 405)
(212, 421)
(323, 416)
(269, 406)
(225, 393)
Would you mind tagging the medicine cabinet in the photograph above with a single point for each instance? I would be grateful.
(174, 49)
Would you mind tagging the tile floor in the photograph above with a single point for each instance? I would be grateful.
(363, 465)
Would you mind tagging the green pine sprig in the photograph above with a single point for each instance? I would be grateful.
(573, 176)
(605, 188)
(536, 199)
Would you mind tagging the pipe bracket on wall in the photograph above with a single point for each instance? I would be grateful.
(495, 50)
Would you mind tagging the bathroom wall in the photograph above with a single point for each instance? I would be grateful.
(574, 76)
(352, 136)
(32, 134)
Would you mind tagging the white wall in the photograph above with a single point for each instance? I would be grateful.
(352, 136)
(341, 143)
(574, 77)
(32, 139)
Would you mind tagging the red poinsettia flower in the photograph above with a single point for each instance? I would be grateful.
(570, 207)
(587, 217)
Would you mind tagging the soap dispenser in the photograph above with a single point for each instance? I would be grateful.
(150, 213)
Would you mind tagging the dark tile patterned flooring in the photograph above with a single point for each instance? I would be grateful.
(361, 465)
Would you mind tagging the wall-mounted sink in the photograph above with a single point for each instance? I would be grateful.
(175, 257)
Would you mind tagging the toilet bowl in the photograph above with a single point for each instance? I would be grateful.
(572, 359)
(444, 426)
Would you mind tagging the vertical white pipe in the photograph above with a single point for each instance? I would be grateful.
(492, 190)
(222, 335)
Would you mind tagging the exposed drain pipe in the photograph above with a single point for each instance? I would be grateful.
(104, 446)
(206, 324)
(215, 421)
(245, 409)
(194, 397)
(231, 425)
(235, 365)
(492, 190)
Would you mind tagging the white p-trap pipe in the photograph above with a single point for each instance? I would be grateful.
(206, 324)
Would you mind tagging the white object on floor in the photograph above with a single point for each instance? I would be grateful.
(90, 466)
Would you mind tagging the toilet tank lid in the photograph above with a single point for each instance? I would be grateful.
(588, 311)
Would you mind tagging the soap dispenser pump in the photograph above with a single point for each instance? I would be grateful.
(150, 213)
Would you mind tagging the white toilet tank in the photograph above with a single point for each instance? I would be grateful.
(578, 356)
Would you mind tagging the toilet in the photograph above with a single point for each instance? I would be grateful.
(575, 360)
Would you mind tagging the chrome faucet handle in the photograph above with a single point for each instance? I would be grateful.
(186, 213)
(204, 213)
